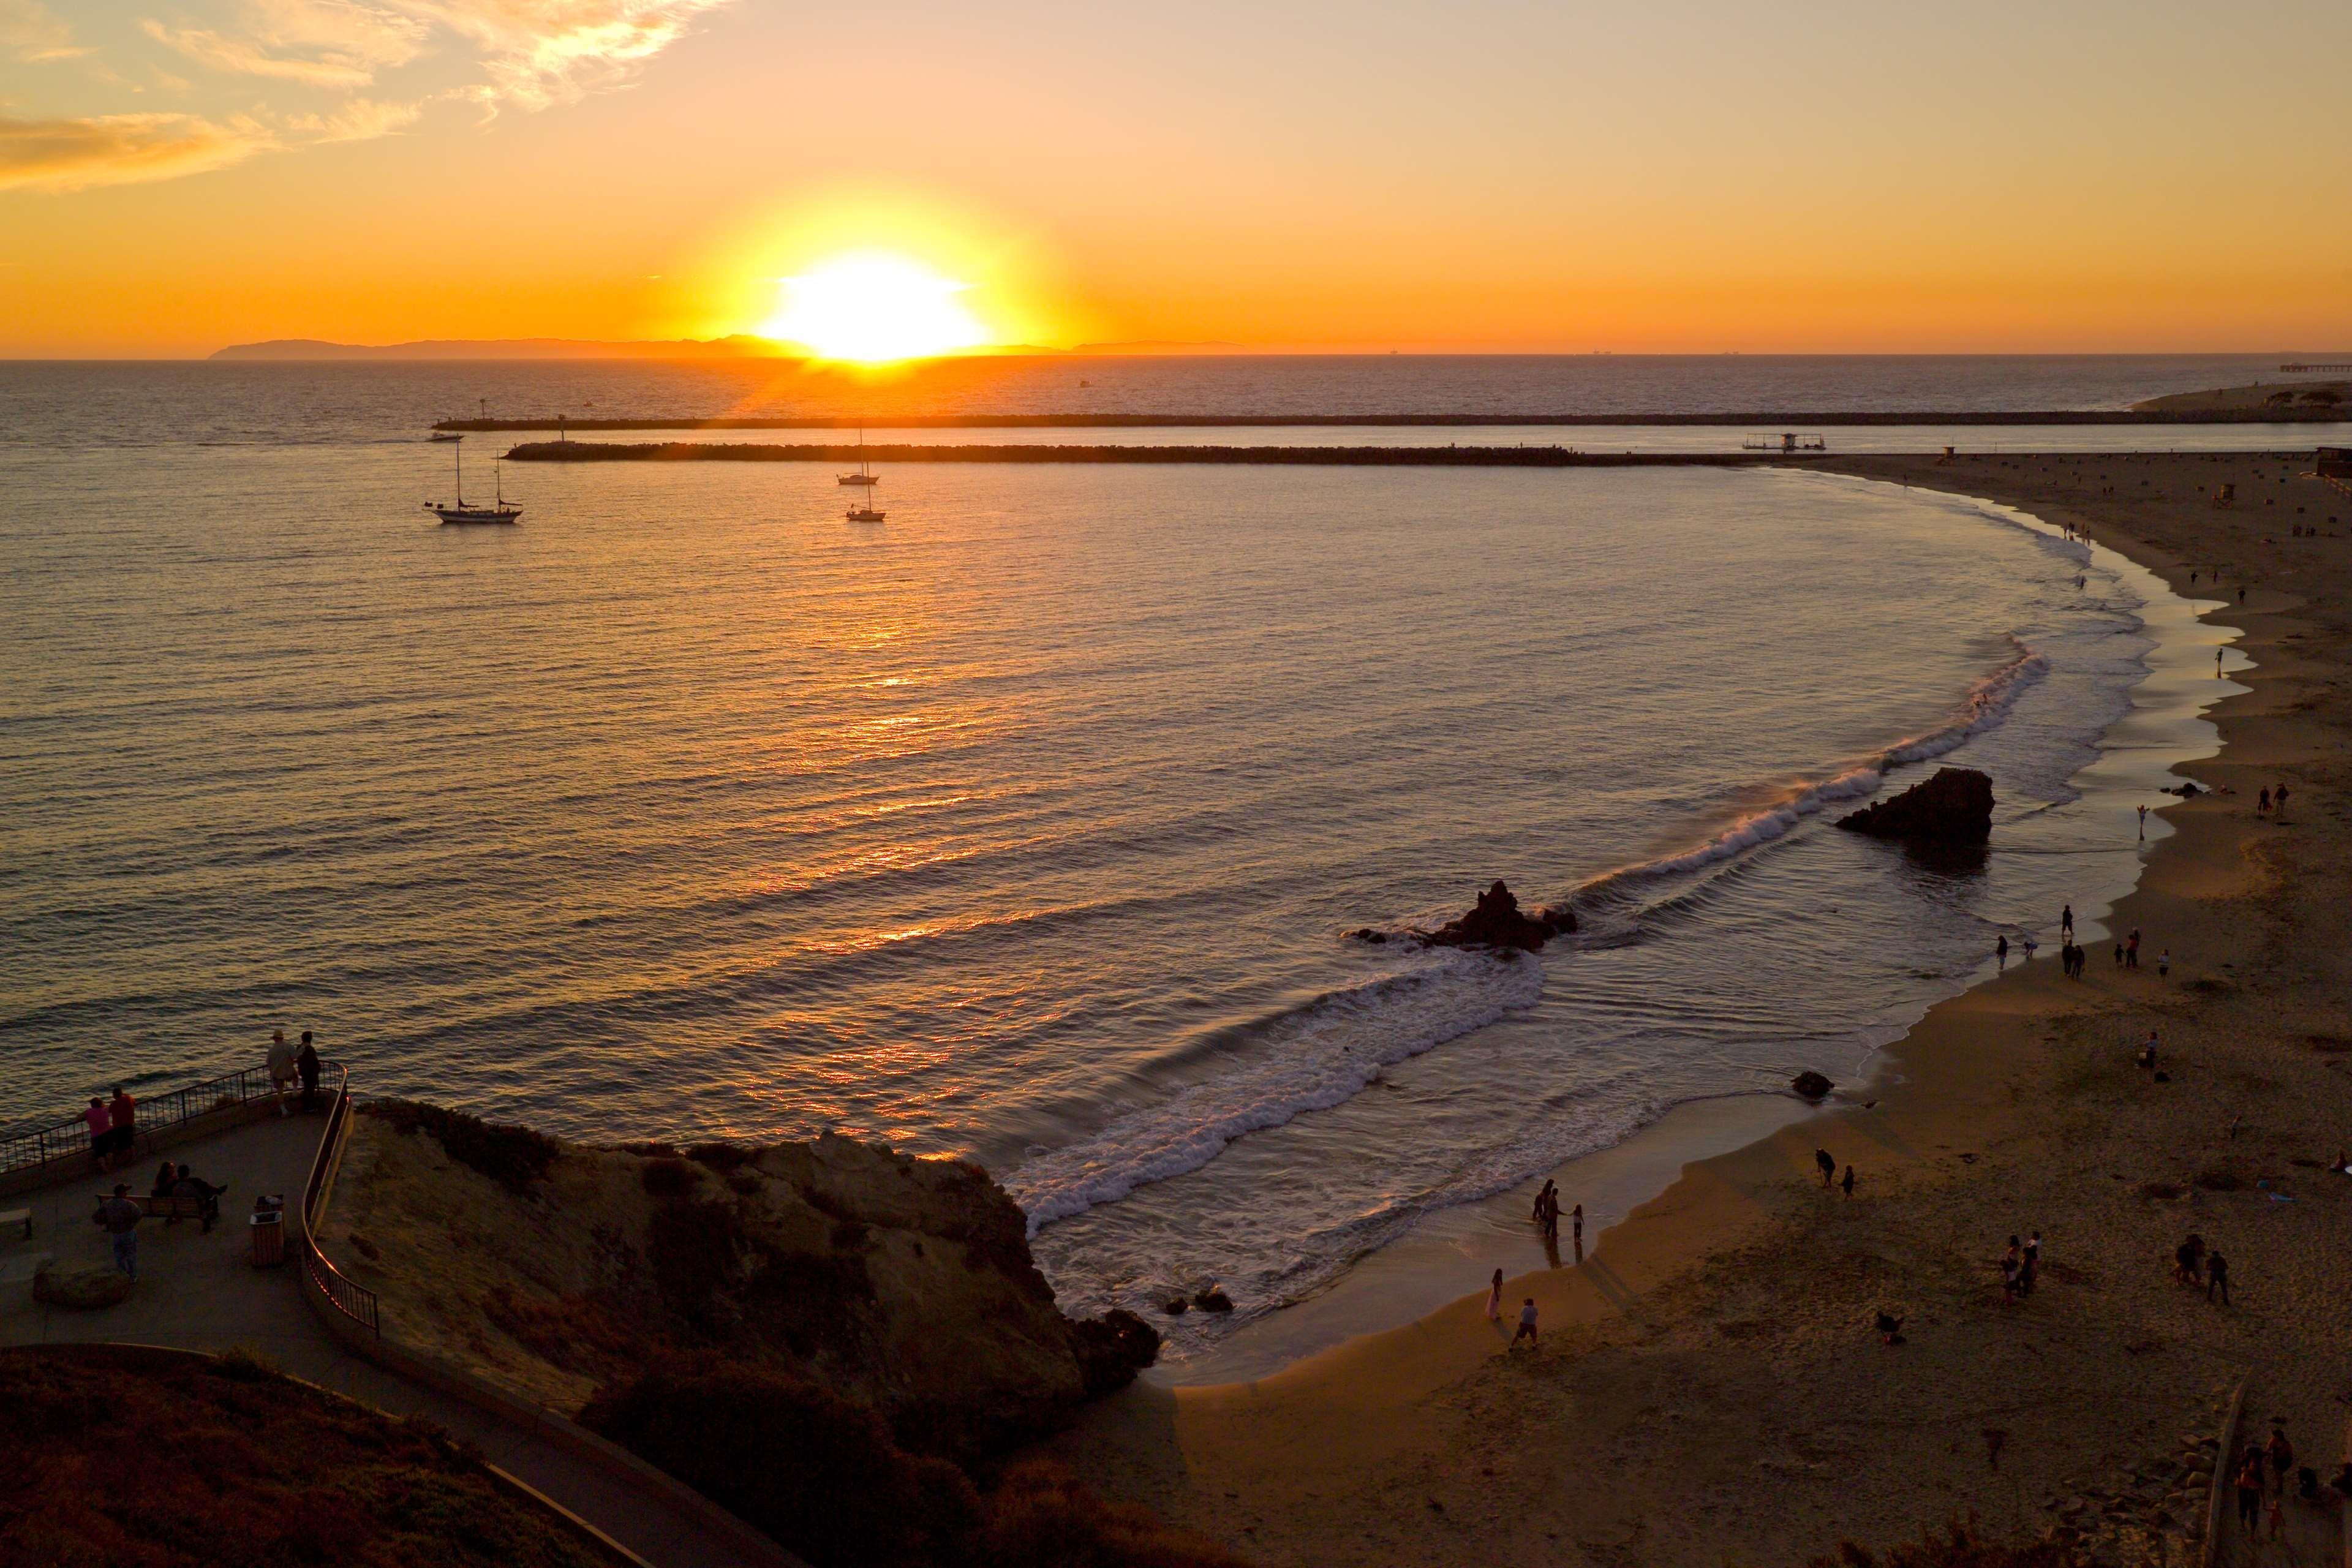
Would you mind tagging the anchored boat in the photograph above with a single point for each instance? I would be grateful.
(459, 513)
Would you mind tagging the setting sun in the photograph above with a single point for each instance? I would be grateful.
(872, 306)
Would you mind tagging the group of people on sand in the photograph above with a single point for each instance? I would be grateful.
(2272, 802)
(2260, 1471)
(2020, 1266)
(1826, 1164)
(2194, 1264)
(1547, 1217)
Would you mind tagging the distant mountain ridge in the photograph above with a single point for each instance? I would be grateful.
(737, 346)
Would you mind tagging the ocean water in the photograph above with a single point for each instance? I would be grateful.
(1026, 827)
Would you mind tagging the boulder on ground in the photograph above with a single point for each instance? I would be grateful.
(1176, 1306)
(1212, 1299)
(1811, 1085)
(1497, 922)
(1954, 807)
(81, 1286)
(1112, 1348)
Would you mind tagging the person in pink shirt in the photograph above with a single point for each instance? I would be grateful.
(101, 1130)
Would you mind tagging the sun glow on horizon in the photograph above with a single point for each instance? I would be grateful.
(874, 306)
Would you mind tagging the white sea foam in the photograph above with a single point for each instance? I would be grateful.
(1987, 703)
(1318, 1057)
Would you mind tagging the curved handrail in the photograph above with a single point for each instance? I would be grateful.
(354, 1300)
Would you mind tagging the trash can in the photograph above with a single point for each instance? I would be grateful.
(268, 1239)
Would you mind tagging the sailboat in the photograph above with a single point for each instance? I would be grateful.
(862, 509)
(461, 513)
(862, 476)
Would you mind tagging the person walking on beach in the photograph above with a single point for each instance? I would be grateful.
(2066, 923)
(2262, 802)
(2143, 822)
(1575, 1220)
(2011, 1263)
(101, 1132)
(1846, 1181)
(2146, 1058)
(2000, 949)
(1495, 1299)
(281, 1067)
(1827, 1164)
(120, 1216)
(1543, 1202)
(122, 1127)
(2030, 945)
(2278, 804)
(2217, 1276)
(2250, 1489)
(2217, 664)
(2189, 1260)
(2163, 963)
(2280, 1454)
(1527, 1324)
(306, 1064)
(2131, 949)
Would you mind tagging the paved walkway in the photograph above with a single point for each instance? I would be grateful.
(200, 1292)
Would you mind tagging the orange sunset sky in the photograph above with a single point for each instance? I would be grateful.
(1681, 176)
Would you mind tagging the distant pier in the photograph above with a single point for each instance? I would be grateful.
(1784, 419)
(1297, 457)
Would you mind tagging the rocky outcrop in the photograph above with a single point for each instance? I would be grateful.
(79, 1287)
(1954, 808)
(1811, 1086)
(1497, 922)
(903, 1285)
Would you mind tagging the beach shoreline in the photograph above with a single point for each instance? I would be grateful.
(1752, 1284)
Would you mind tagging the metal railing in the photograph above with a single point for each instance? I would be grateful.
(25, 1146)
(354, 1301)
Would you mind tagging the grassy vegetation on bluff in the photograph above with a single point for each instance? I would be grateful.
(119, 1459)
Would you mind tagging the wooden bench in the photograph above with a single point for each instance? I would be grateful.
(18, 1216)
(171, 1208)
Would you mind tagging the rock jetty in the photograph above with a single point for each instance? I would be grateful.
(1953, 808)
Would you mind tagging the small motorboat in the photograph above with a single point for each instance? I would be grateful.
(460, 514)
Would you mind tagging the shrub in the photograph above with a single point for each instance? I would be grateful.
(514, 1157)
(1040, 1516)
(669, 1177)
(817, 1472)
(1962, 1546)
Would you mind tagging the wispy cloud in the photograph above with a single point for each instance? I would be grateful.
(361, 120)
(529, 53)
(31, 34)
(120, 149)
(536, 53)
(208, 48)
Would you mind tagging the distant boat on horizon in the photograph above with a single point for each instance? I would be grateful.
(460, 514)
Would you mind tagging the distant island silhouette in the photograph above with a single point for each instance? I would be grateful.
(738, 345)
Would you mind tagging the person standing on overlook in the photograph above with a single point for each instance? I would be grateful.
(120, 1217)
(281, 1066)
(306, 1063)
(122, 1127)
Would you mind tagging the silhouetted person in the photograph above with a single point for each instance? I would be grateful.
(306, 1064)
(2217, 1276)
(1827, 1165)
(1847, 1181)
(1527, 1323)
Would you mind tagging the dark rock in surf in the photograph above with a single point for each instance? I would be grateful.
(1811, 1086)
(1953, 808)
(1176, 1307)
(1366, 933)
(1212, 1299)
(1497, 922)
(1112, 1348)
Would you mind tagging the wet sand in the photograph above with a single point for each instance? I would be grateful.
(1709, 1387)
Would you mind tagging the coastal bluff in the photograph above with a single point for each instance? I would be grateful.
(561, 1270)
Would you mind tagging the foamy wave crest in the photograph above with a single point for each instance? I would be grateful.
(1987, 702)
(1322, 1056)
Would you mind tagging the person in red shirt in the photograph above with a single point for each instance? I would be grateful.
(120, 1114)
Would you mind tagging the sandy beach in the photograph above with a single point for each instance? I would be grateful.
(1709, 1388)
